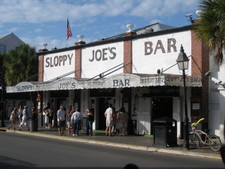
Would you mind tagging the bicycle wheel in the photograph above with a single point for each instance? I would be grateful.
(214, 142)
(194, 140)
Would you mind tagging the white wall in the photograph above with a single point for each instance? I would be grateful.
(160, 52)
(58, 64)
(177, 113)
(84, 101)
(98, 59)
(143, 115)
(216, 98)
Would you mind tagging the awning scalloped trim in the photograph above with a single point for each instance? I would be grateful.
(116, 81)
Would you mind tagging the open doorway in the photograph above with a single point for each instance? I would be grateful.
(162, 107)
(102, 106)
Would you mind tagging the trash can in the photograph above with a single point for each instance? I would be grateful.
(33, 125)
(165, 132)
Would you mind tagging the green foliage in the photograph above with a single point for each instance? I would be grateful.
(20, 64)
(211, 26)
(1, 69)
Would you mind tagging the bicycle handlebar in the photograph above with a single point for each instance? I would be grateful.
(196, 123)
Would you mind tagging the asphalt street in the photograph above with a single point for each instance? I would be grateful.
(22, 151)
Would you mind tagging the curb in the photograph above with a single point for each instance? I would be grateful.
(119, 145)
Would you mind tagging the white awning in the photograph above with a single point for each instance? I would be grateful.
(116, 81)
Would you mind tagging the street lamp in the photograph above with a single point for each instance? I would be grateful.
(183, 62)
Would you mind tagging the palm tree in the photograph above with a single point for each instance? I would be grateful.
(211, 26)
(20, 65)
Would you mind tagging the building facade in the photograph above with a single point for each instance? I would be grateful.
(9, 42)
(216, 75)
(136, 70)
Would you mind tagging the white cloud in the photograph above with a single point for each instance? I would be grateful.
(38, 30)
(37, 17)
(159, 8)
(13, 29)
(116, 7)
(38, 42)
(155, 21)
(40, 11)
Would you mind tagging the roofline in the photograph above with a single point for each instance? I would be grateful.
(123, 38)
(5, 36)
(2, 36)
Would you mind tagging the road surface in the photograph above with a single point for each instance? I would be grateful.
(22, 151)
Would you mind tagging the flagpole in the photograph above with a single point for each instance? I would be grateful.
(67, 44)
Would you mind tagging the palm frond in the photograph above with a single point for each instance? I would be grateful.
(211, 26)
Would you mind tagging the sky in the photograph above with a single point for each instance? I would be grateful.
(44, 21)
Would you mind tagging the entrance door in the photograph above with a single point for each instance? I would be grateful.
(102, 106)
(162, 107)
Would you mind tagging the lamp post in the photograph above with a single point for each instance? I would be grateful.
(183, 62)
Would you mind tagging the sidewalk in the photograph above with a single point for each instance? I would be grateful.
(130, 142)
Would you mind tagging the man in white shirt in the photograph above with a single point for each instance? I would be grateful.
(61, 118)
(76, 122)
(108, 116)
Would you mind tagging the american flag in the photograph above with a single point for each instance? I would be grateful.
(68, 30)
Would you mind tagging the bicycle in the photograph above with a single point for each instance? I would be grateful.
(197, 138)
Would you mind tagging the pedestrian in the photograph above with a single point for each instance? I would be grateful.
(34, 118)
(54, 117)
(13, 118)
(76, 122)
(68, 119)
(122, 121)
(24, 118)
(50, 117)
(61, 119)
(114, 121)
(46, 117)
(19, 113)
(108, 116)
(89, 122)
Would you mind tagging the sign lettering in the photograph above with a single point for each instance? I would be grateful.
(121, 83)
(153, 48)
(67, 85)
(103, 54)
(60, 60)
(24, 88)
(151, 80)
